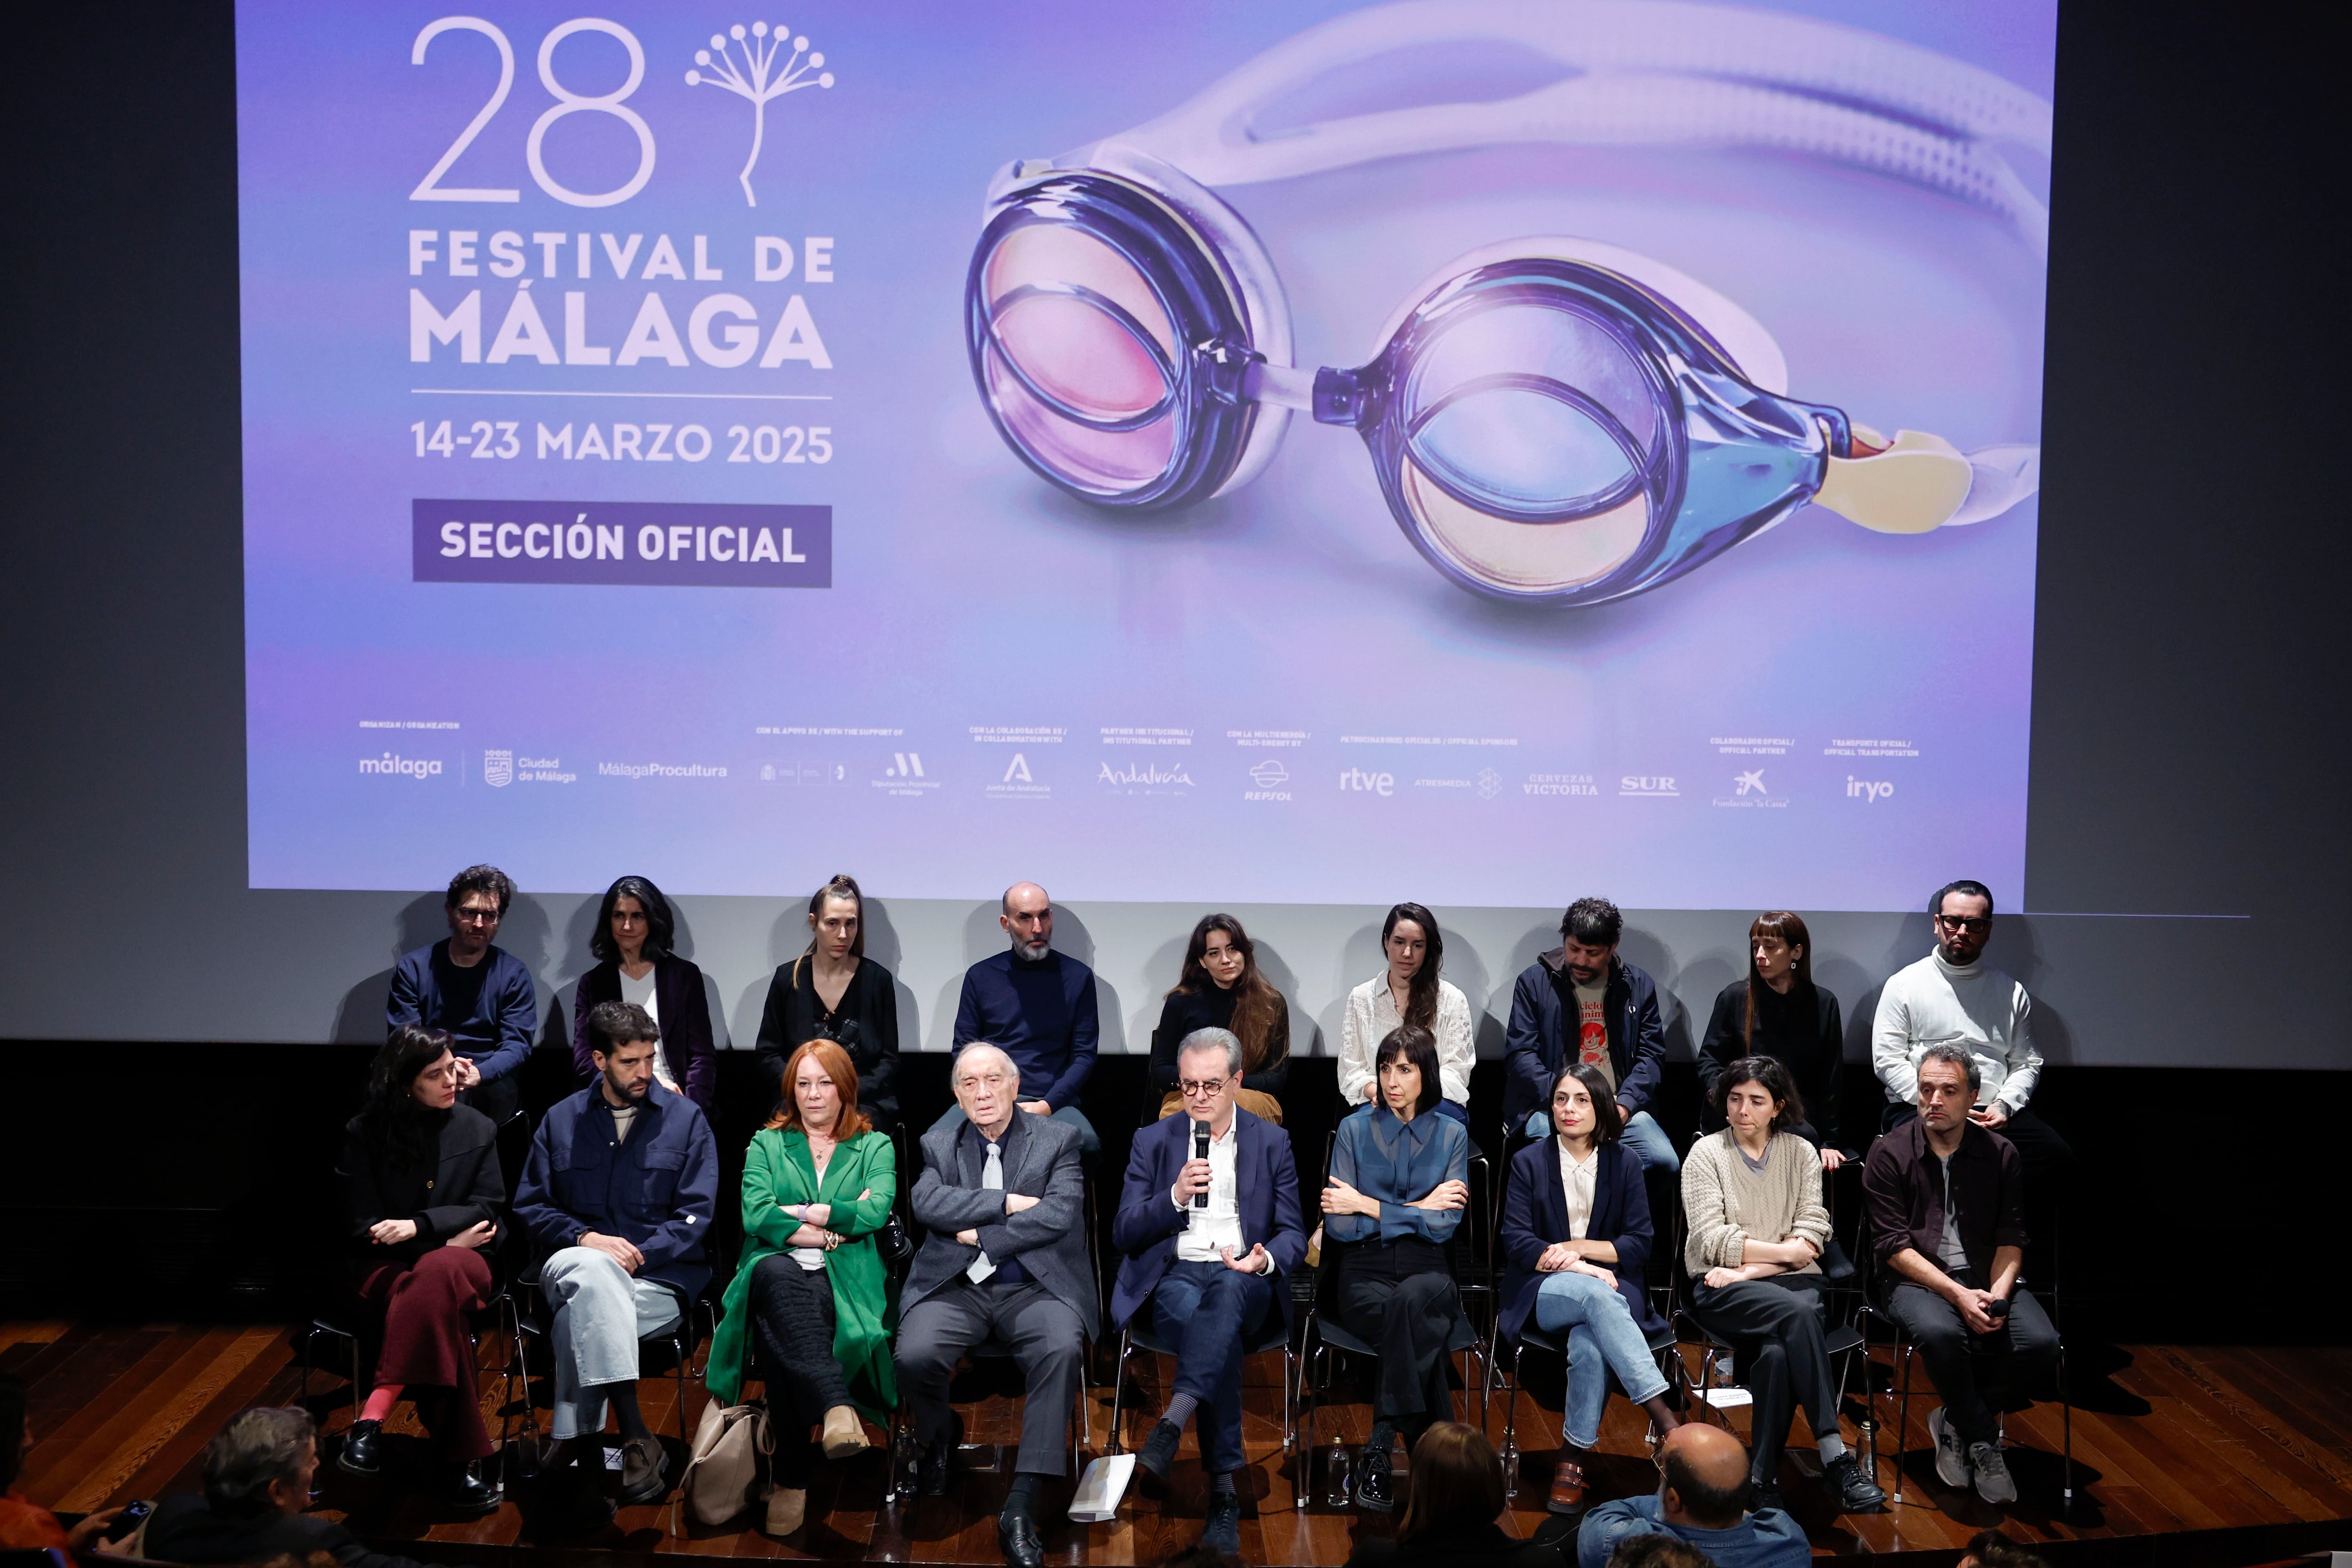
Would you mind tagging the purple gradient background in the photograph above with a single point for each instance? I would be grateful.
(966, 594)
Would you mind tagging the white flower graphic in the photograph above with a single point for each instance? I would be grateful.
(759, 78)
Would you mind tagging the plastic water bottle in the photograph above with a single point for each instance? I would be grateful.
(1511, 1473)
(1336, 1490)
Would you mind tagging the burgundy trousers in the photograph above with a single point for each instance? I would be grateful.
(424, 1306)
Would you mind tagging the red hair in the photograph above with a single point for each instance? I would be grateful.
(851, 1122)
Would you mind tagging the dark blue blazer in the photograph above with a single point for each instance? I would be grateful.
(1535, 1214)
(656, 1191)
(1265, 1182)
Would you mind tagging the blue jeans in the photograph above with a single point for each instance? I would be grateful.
(1208, 1312)
(1088, 1142)
(1601, 1339)
(1643, 1136)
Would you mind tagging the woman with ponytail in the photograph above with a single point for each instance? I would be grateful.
(834, 991)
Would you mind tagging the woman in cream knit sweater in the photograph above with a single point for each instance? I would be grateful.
(1752, 1198)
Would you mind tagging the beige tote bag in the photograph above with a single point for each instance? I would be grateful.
(730, 1468)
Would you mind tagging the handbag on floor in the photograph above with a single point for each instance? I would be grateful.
(730, 1468)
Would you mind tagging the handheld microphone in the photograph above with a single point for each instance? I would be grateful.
(1201, 1152)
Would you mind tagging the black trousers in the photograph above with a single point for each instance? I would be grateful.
(1977, 1375)
(792, 1311)
(1407, 1314)
(1774, 1326)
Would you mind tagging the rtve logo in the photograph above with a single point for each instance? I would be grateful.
(1866, 791)
(1374, 783)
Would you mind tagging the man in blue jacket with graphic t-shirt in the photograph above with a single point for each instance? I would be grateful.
(1037, 1007)
(1581, 1002)
(479, 993)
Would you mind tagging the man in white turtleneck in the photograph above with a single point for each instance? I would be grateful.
(1952, 997)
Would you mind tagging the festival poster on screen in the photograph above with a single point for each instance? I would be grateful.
(1313, 453)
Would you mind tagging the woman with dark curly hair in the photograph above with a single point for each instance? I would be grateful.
(422, 1191)
(632, 941)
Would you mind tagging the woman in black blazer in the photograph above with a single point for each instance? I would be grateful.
(862, 1016)
(632, 940)
(1778, 1011)
(1575, 1264)
(421, 1192)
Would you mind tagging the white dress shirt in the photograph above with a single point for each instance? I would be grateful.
(1579, 1182)
(1371, 1014)
(1207, 1231)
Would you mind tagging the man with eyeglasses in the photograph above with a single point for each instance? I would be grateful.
(1952, 997)
(1037, 1006)
(477, 991)
(1209, 1225)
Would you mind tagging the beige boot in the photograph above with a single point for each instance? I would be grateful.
(787, 1511)
(844, 1434)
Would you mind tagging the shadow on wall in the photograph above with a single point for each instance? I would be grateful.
(424, 920)
(985, 937)
(788, 940)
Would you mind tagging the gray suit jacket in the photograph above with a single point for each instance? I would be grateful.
(1041, 1160)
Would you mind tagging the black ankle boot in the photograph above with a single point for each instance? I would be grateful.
(362, 1452)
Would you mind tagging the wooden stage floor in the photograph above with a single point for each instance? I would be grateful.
(2253, 1446)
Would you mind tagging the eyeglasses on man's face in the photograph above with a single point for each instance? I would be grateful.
(1193, 1089)
(1974, 924)
(470, 915)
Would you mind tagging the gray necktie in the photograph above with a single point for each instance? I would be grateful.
(992, 1179)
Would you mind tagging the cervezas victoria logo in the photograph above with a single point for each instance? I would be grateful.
(774, 62)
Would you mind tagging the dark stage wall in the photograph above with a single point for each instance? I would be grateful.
(197, 1182)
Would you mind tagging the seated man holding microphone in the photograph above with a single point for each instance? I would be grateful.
(1209, 1222)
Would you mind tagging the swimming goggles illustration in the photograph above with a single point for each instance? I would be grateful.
(1554, 420)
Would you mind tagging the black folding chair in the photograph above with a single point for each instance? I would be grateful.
(1140, 1336)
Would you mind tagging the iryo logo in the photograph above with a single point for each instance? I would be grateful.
(1376, 783)
(1866, 790)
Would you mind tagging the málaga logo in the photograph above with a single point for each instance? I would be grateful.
(759, 79)
(498, 769)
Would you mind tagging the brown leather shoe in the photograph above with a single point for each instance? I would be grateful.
(642, 1480)
(1567, 1489)
(787, 1511)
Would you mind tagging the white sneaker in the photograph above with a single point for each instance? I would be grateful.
(1951, 1460)
(1994, 1483)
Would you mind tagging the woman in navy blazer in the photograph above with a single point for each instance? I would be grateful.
(1576, 1266)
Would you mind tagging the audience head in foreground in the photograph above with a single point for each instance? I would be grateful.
(25, 1526)
(257, 1473)
(1991, 1549)
(1702, 1501)
(1451, 1511)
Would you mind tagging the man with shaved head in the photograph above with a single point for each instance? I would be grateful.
(1038, 1005)
(1702, 1498)
(1005, 1260)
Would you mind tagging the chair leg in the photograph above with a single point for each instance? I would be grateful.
(309, 1336)
(2066, 1419)
(1511, 1423)
(1902, 1418)
(1289, 1432)
(1117, 1445)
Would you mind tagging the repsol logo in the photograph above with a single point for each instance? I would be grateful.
(392, 763)
(1356, 779)
(1866, 790)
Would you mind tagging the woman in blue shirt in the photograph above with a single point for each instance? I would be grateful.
(1398, 1189)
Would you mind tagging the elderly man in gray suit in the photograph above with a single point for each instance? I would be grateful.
(1006, 1258)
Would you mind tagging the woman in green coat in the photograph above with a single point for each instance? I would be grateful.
(808, 1309)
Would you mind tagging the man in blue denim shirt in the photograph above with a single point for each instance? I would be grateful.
(1701, 1498)
(619, 1191)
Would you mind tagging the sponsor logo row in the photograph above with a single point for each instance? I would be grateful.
(1269, 779)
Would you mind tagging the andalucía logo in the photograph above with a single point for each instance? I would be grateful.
(498, 769)
(1145, 776)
